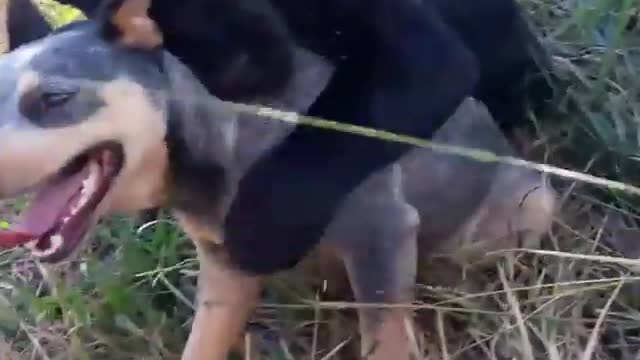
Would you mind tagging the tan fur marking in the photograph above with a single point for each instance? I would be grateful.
(196, 230)
(226, 300)
(27, 81)
(129, 117)
(138, 30)
(387, 340)
(4, 26)
(153, 192)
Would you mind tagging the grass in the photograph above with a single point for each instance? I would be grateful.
(129, 297)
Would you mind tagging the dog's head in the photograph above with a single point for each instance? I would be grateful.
(96, 118)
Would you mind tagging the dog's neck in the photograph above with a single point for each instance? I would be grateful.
(213, 132)
(239, 139)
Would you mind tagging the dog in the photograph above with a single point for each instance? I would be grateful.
(97, 118)
(20, 23)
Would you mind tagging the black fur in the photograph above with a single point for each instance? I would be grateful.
(211, 36)
(402, 65)
(88, 7)
(25, 23)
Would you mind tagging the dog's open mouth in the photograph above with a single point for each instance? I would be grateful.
(63, 208)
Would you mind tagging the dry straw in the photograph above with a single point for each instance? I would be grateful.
(476, 154)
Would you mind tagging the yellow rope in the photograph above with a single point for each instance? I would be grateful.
(476, 154)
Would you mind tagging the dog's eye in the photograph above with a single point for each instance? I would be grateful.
(55, 99)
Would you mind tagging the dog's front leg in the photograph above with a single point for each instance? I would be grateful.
(226, 299)
(375, 234)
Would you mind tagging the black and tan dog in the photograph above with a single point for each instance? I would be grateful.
(97, 118)
(20, 23)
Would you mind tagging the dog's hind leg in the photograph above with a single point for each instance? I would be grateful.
(375, 234)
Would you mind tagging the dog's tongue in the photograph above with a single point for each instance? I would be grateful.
(10, 239)
(45, 211)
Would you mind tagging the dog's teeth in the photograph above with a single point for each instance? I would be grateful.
(88, 187)
(94, 172)
(56, 243)
(83, 200)
(31, 245)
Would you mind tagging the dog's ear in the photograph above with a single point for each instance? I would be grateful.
(127, 22)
